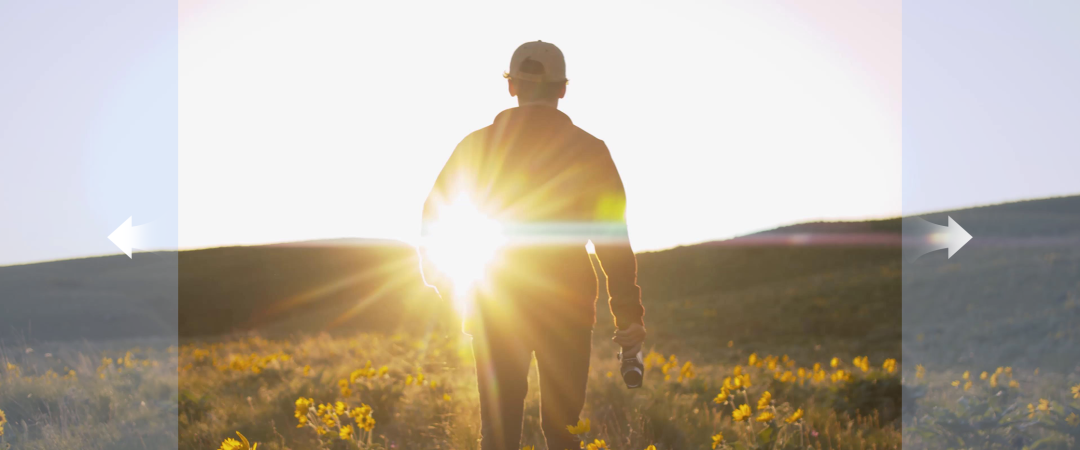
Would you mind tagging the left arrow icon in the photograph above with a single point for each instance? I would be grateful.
(127, 237)
(121, 237)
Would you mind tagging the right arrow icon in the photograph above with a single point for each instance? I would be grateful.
(928, 236)
(955, 237)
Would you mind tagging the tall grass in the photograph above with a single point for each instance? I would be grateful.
(420, 393)
(61, 397)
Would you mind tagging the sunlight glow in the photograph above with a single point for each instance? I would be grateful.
(351, 117)
(463, 243)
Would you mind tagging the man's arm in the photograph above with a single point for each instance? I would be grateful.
(431, 274)
(439, 193)
(612, 243)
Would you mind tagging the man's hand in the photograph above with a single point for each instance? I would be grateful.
(630, 338)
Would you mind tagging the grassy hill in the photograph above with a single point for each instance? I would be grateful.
(808, 289)
(343, 285)
(94, 298)
(1011, 296)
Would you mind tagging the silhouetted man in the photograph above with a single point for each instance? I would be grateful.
(552, 187)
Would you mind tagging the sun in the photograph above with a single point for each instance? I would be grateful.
(463, 243)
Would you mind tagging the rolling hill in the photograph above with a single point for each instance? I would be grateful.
(1013, 294)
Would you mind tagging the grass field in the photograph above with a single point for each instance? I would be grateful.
(419, 393)
(259, 330)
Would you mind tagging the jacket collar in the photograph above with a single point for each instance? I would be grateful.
(533, 112)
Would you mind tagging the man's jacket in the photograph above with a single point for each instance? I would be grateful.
(553, 187)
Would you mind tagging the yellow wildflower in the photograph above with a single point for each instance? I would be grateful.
(920, 372)
(1073, 419)
(344, 385)
(763, 402)
(687, 371)
(446, 397)
(1031, 411)
(722, 397)
(1076, 391)
(651, 447)
(230, 444)
(582, 427)
(742, 413)
(528, 447)
(889, 365)
(1014, 384)
(3, 420)
(753, 359)
(795, 416)
(956, 383)
(743, 382)
(765, 416)
(671, 363)
(346, 432)
(717, 439)
(597, 444)
(366, 422)
(982, 376)
(362, 416)
(967, 385)
(1044, 405)
(653, 359)
(233, 444)
(302, 407)
(834, 362)
(737, 371)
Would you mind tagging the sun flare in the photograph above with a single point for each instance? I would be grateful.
(463, 244)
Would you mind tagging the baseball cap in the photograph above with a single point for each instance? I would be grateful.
(538, 62)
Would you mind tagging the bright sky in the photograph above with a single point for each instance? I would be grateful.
(326, 119)
(330, 118)
(991, 102)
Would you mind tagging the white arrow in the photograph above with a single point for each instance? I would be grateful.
(954, 236)
(929, 236)
(127, 237)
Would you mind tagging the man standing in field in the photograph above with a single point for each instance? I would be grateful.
(549, 187)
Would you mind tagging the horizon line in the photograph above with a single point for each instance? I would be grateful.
(709, 241)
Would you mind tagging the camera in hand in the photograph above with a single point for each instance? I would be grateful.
(632, 368)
